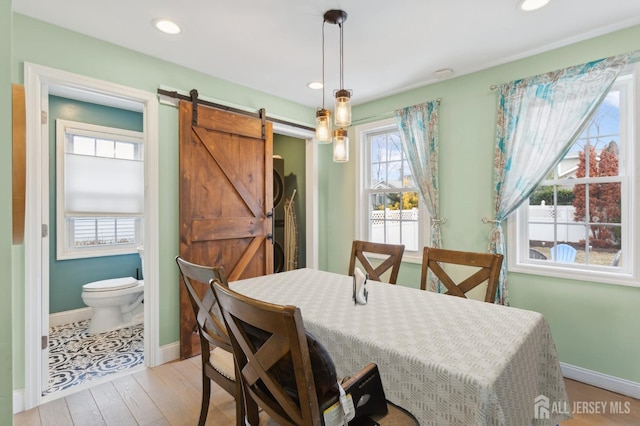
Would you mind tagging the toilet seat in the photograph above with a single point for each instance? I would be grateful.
(110, 285)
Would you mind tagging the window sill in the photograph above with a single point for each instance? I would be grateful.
(81, 254)
(407, 257)
(594, 276)
(413, 257)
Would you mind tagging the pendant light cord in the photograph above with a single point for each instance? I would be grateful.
(323, 88)
(341, 59)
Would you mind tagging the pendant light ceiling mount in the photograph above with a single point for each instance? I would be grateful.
(335, 16)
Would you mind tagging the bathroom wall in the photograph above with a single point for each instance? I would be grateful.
(66, 277)
(293, 151)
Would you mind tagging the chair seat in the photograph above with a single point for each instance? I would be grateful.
(222, 362)
(397, 416)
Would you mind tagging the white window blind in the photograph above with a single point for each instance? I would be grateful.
(98, 185)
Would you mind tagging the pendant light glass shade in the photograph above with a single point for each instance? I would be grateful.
(340, 146)
(343, 108)
(324, 132)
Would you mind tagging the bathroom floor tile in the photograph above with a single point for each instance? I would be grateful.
(76, 357)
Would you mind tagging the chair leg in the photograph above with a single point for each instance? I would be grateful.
(206, 395)
(240, 408)
(251, 409)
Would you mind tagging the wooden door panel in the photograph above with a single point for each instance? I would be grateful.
(223, 150)
(226, 185)
(231, 123)
(227, 228)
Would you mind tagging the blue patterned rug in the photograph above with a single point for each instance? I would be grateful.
(76, 357)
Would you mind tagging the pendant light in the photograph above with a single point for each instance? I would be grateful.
(323, 126)
(342, 106)
(342, 110)
(340, 146)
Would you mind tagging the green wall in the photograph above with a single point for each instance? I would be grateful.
(44, 44)
(6, 284)
(589, 321)
(293, 151)
(66, 277)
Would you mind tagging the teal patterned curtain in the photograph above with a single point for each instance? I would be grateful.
(539, 119)
(418, 126)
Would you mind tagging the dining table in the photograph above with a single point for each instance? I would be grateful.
(448, 360)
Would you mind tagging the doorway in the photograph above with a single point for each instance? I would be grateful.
(290, 196)
(40, 82)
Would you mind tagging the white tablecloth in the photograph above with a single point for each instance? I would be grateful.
(448, 360)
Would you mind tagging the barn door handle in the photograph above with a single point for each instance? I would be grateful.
(273, 229)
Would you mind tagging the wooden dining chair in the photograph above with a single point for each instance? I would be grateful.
(391, 259)
(285, 370)
(216, 352)
(488, 264)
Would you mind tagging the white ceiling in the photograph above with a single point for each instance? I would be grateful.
(389, 46)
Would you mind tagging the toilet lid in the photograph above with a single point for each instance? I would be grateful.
(112, 284)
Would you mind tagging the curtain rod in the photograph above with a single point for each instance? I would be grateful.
(174, 94)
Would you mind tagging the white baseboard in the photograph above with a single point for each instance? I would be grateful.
(601, 380)
(168, 353)
(18, 401)
(67, 317)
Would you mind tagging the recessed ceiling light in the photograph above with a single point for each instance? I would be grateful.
(315, 85)
(529, 5)
(167, 26)
(443, 73)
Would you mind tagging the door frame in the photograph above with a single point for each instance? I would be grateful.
(311, 187)
(40, 81)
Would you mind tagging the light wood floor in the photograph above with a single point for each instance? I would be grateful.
(170, 395)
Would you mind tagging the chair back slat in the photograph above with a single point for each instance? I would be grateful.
(433, 260)
(392, 261)
(265, 338)
(205, 307)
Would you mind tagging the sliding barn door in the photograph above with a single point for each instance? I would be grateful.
(226, 200)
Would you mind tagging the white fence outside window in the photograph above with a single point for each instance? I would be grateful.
(541, 220)
(386, 226)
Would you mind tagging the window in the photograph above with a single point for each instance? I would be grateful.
(389, 208)
(579, 221)
(100, 190)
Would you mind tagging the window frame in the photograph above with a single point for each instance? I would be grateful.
(65, 250)
(363, 162)
(629, 274)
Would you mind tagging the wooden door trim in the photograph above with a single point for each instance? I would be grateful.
(19, 137)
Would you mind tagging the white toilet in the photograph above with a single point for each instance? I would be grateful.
(116, 303)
